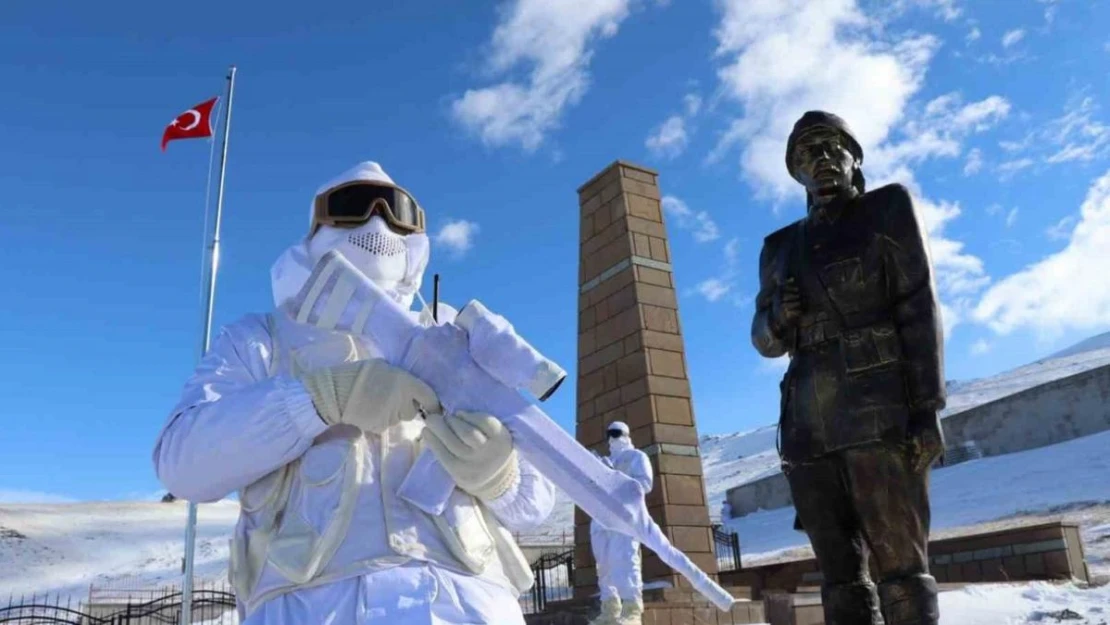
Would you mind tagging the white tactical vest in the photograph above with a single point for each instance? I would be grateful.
(300, 527)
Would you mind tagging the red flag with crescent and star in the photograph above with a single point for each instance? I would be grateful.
(195, 123)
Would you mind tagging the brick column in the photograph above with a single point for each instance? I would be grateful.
(632, 363)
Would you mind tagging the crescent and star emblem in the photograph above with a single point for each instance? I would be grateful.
(196, 119)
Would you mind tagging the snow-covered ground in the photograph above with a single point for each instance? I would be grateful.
(1070, 480)
(63, 548)
(1018, 604)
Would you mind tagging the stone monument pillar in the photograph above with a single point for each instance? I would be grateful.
(632, 364)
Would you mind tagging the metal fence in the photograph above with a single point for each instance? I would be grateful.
(726, 544)
(554, 573)
(133, 602)
(210, 607)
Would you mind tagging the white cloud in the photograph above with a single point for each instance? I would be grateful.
(669, 139)
(946, 10)
(457, 236)
(1011, 215)
(781, 58)
(692, 104)
(1061, 230)
(717, 287)
(1050, 10)
(1012, 37)
(1009, 168)
(980, 347)
(556, 40)
(974, 34)
(784, 57)
(1079, 136)
(1076, 135)
(713, 289)
(774, 365)
(1014, 146)
(974, 162)
(699, 223)
(16, 495)
(1065, 290)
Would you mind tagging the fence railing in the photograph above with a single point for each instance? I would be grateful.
(554, 573)
(130, 603)
(211, 607)
(726, 544)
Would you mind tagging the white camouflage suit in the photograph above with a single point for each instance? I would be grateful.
(322, 535)
(619, 574)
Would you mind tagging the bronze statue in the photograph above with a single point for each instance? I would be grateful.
(848, 292)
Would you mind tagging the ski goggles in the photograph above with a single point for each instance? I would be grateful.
(615, 433)
(353, 203)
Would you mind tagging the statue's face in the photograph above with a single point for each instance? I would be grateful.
(823, 163)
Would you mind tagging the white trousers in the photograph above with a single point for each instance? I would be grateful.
(413, 594)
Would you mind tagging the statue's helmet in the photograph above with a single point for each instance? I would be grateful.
(821, 119)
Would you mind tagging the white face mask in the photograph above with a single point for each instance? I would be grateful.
(617, 445)
(379, 253)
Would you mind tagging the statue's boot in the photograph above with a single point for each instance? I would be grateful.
(632, 612)
(910, 600)
(610, 612)
(851, 604)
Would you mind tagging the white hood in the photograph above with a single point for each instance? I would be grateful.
(292, 269)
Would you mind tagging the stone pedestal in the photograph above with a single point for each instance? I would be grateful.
(632, 363)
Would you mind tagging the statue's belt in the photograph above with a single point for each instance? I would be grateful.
(827, 331)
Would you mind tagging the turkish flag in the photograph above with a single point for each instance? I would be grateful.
(194, 123)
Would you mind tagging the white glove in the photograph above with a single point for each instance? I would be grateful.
(476, 450)
(370, 394)
(604, 459)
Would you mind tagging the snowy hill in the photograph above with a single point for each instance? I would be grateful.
(1097, 342)
(966, 395)
(63, 548)
(733, 459)
(736, 459)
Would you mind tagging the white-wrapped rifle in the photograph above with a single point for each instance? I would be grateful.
(482, 371)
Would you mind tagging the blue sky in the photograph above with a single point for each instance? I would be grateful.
(493, 114)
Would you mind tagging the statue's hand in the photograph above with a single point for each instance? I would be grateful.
(925, 443)
(787, 306)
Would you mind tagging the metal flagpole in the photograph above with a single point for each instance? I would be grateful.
(206, 333)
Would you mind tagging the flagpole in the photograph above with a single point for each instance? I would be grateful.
(206, 334)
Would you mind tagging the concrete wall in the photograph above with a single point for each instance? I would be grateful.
(1039, 551)
(1051, 413)
(763, 494)
(1054, 412)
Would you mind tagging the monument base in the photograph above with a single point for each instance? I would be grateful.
(664, 606)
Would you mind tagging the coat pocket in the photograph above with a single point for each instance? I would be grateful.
(321, 506)
(866, 348)
(466, 533)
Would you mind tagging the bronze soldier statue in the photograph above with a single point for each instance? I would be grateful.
(848, 292)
